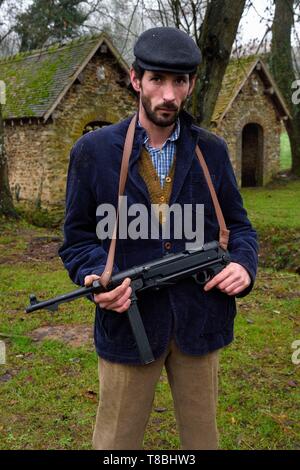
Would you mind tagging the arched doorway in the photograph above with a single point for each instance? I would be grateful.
(252, 155)
(92, 126)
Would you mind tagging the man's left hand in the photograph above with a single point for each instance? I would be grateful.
(231, 280)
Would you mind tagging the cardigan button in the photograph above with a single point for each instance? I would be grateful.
(168, 245)
(168, 179)
(162, 198)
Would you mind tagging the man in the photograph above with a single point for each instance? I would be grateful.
(186, 324)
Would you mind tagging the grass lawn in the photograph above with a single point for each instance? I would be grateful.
(49, 384)
(285, 152)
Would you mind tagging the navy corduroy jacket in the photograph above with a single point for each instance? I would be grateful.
(199, 321)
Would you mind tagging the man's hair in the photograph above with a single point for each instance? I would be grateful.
(139, 71)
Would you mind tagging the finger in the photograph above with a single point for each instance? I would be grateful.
(237, 290)
(229, 289)
(244, 284)
(111, 296)
(124, 308)
(229, 281)
(217, 279)
(90, 278)
(119, 302)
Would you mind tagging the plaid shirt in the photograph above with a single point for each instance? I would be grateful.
(163, 158)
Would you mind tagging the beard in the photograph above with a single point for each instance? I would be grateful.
(164, 119)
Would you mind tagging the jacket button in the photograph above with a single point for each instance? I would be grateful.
(167, 245)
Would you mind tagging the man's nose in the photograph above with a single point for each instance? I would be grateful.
(168, 92)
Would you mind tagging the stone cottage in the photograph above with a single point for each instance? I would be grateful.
(249, 114)
(54, 96)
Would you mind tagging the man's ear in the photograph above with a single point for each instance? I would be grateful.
(192, 84)
(135, 82)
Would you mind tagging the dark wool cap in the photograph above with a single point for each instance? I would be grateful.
(167, 50)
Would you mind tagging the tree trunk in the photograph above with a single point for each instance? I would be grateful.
(217, 35)
(281, 65)
(6, 203)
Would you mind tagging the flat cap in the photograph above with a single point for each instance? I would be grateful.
(167, 50)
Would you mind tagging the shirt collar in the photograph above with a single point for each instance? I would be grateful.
(173, 137)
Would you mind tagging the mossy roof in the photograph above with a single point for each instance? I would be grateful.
(237, 73)
(36, 81)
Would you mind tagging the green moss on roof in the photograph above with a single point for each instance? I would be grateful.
(236, 72)
(34, 80)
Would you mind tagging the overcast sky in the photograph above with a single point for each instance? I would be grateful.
(254, 24)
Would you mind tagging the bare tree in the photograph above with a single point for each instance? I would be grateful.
(6, 204)
(186, 15)
(217, 35)
(282, 66)
(9, 9)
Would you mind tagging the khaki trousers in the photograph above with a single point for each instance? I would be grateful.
(127, 393)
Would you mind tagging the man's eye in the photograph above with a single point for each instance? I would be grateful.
(181, 80)
(155, 79)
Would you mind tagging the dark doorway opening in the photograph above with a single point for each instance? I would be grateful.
(252, 155)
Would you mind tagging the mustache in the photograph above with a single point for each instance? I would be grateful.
(169, 106)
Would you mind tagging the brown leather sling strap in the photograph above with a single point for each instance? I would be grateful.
(223, 233)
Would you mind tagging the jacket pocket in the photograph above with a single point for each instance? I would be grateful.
(220, 310)
(115, 327)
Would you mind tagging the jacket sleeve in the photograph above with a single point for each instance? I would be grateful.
(243, 245)
(82, 252)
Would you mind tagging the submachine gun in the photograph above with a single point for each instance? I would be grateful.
(201, 263)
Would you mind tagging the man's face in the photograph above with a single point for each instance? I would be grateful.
(162, 95)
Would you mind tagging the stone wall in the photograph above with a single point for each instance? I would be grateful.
(27, 147)
(38, 153)
(252, 105)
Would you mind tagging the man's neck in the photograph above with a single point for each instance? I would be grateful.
(157, 134)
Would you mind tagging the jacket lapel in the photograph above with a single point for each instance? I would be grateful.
(134, 176)
(185, 154)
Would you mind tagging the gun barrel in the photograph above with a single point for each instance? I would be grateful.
(55, 301)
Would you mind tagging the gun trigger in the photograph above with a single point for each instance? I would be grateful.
(201, 278)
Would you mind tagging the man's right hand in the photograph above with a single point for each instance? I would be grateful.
(117, 299)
